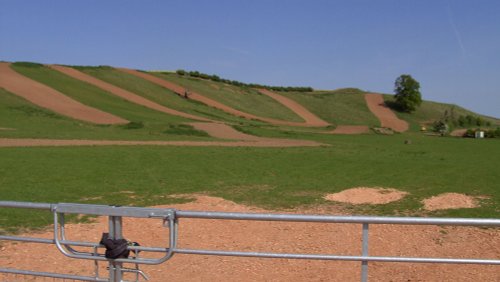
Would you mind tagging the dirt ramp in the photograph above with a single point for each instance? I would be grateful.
(127, 95)
(309, 118)
(387, 118)
(366, 195)
(450, 201)
(46, 97)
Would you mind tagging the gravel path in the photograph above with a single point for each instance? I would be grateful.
(460, 242)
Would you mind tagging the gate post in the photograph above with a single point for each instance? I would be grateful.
(364, 263)
(115, 232)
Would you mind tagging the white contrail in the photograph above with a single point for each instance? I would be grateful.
(455, 29)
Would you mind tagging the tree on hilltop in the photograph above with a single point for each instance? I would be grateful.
(408, 96)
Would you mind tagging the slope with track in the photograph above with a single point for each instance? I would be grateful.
(310, 118)
(377, 106)
(51, 99)
(210, 102)
(129, 96)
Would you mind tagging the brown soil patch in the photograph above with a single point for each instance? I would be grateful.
(450, 201)
(223, 131)
(364, 195)
(25, 142)
(7, 128)
(387, 118)
(297, 108)
(385, 240)
(46, 97)
(207, 101)
(351, 129)
(458, 132)
(122, 93)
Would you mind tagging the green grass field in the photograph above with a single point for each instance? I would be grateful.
(243, 99)
(269, 177)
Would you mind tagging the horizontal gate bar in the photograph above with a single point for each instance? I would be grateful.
(156, 212)
(336, 257)
(338, 219)
(51, 275)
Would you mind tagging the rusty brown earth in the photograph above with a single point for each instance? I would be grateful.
(387, 118)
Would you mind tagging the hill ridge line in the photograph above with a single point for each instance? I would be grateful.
(51, 99)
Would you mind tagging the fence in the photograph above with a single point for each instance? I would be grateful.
(170, 218)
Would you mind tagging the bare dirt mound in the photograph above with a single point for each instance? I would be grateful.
(387, 118)
(450, 201)
(364, 195)
(350, 129)
(207, 101)
(46, 97)
(309, 118)
(127, 95)
(385, 240)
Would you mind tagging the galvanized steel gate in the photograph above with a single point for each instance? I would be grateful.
(170, 219)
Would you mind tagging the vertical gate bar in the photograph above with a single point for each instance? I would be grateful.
(115, 232)
(364, 263)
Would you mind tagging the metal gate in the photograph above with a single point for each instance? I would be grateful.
(170, 218)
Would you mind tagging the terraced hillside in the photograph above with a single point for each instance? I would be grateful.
(243, 99)
(152, 106)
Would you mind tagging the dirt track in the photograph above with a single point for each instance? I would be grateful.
(129, 96)
(210, 102)
(387, 118)
(25, 142)
(345, 239)
(309, 118)
(351, 129)
(224, 131)
(46, 97)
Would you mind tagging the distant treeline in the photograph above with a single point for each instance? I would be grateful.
(216, 78)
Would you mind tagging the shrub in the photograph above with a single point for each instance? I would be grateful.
(216, 78)
(28, 65)
(408, 96)
(134, 125)
(184, 129)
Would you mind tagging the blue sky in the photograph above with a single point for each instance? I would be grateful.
(451, 47)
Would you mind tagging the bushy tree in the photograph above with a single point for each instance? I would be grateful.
(408, 96)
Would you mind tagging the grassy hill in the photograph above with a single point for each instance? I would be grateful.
(241, 98)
